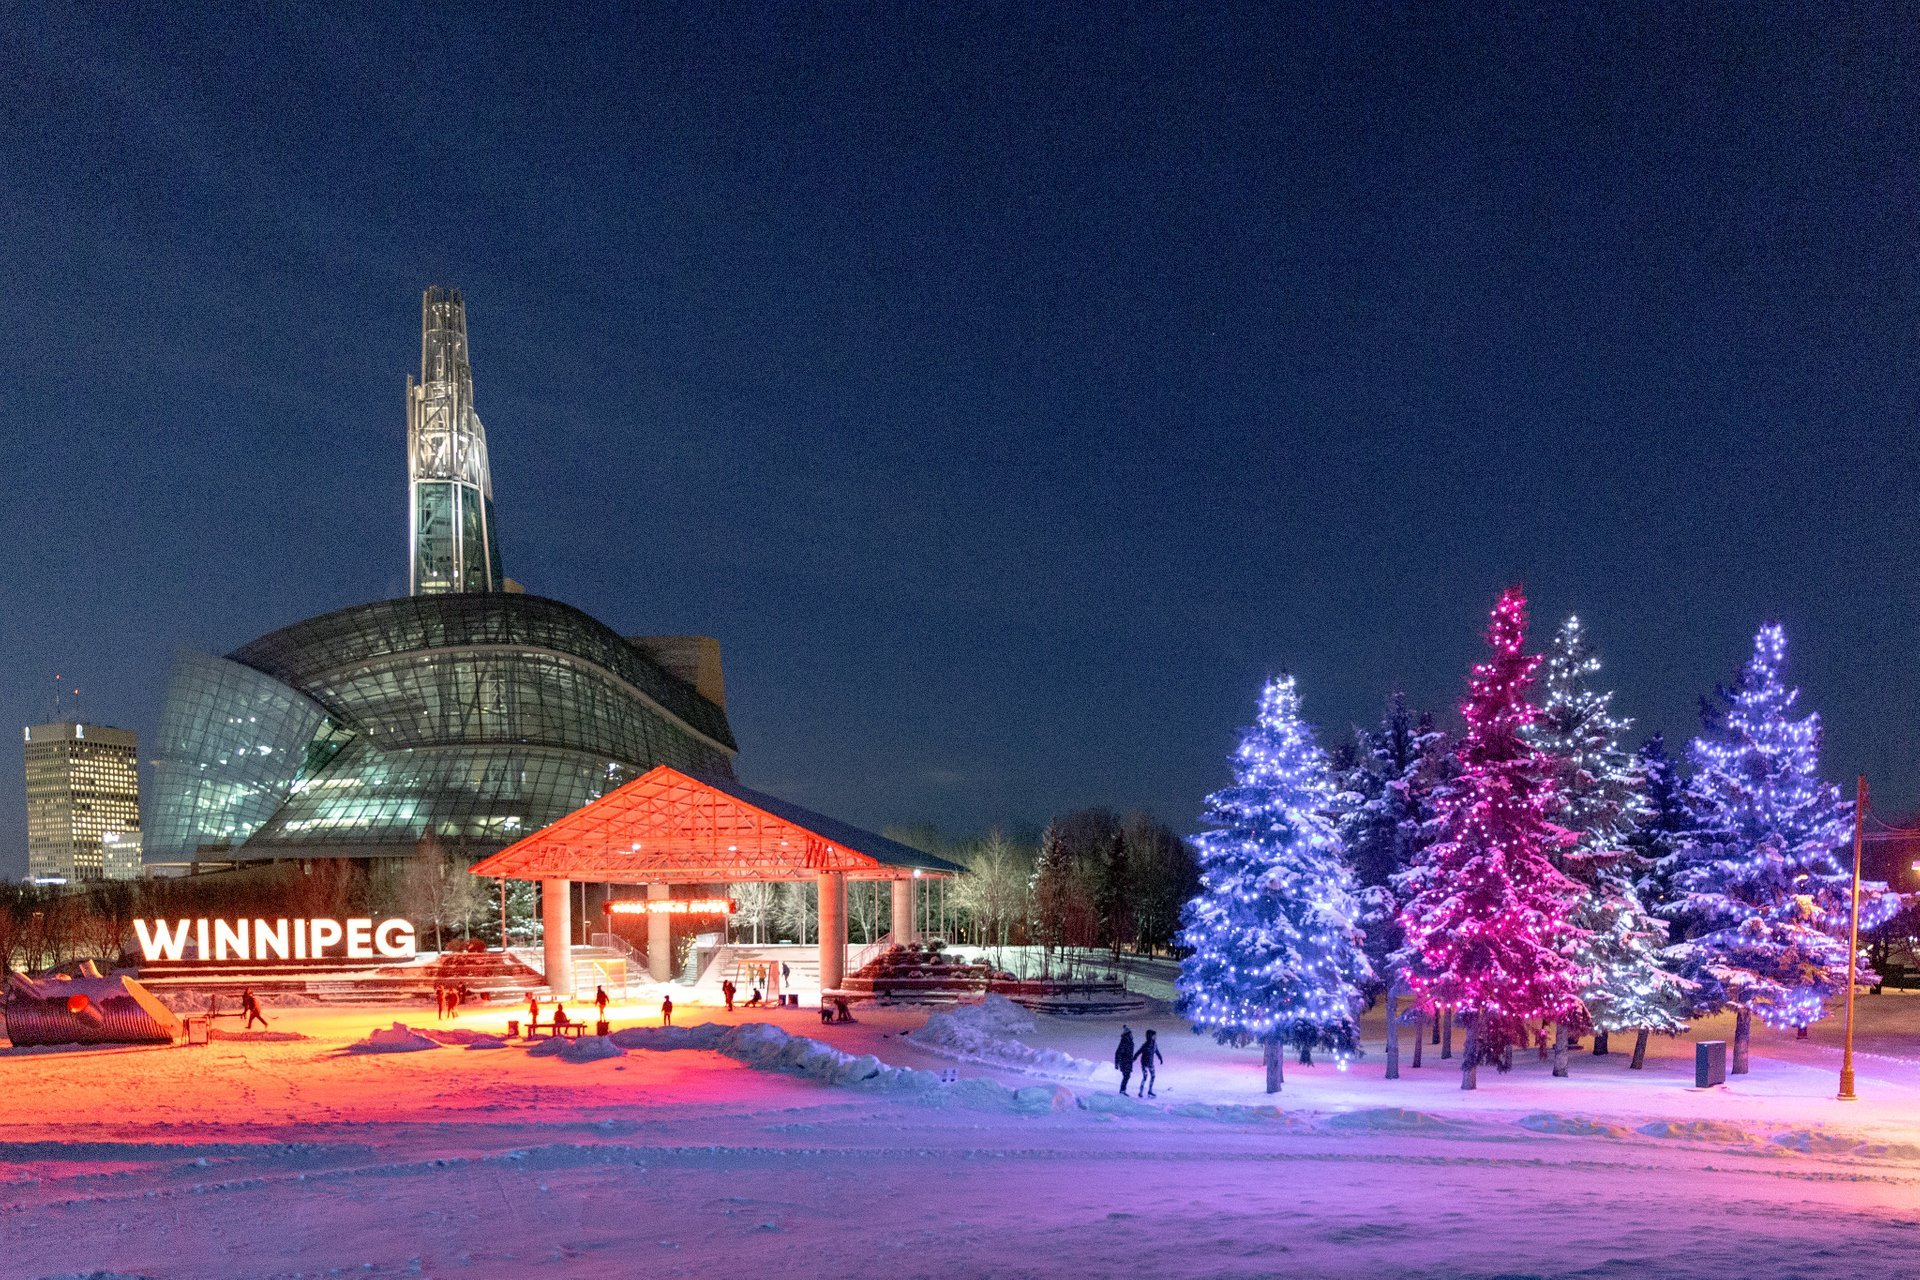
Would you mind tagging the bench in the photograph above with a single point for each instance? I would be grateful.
(572, 1029)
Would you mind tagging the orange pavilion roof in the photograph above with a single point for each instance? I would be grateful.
(671, 827)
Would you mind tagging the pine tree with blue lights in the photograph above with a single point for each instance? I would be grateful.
(1764, 897)
(1276, 950)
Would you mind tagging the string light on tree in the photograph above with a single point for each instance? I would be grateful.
(1764, 899)
(1276, 949)
(1486, 911)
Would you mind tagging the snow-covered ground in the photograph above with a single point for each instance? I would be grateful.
(836, 1151)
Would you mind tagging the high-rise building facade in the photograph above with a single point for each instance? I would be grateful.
(453, 544)
(83, 802)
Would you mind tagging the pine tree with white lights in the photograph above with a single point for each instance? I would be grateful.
(1764, 897)
(1276, 948)
(1486, 915)
(1626, 986)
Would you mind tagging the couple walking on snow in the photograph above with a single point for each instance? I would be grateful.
(1148, 1057)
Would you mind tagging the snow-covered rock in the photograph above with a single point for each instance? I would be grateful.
(986, 1033)
(399, 1038)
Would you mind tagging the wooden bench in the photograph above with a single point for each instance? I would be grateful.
(572, 1029)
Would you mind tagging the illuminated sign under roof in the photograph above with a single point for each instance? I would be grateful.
(671, 907)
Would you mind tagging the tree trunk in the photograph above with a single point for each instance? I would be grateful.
(1742, 1041)
(1560, 1050)
(1276, 1065)
(1419, 1038)
(1639, 1050)
(1393, 1034)
(1470, 1057)
(1306, 1053)
(1436, 1025)
(1446, 1035)
(1599, 1043)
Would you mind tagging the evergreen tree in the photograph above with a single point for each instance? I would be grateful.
(1276, 950)
(1761, 889)
(1602, 804)
(1663, 820)
(1486, 912)
(1385, 814)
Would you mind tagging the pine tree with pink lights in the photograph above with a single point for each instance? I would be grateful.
(1276, 948)
(1762, 895)
(1486, 912)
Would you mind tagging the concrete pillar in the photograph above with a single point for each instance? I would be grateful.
(556, 917)
(660, 936)
(833, 928)
(904, 930)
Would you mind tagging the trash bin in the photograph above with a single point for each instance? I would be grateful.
(1709, 1063)
(199, 1030)
(513, 1028)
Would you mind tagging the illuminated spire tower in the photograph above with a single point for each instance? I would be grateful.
(450, 511)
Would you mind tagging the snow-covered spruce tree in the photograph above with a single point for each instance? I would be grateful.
(1655, 843)
(1765, 899)
(1385, 817)
(1276, 949)
(1600, 789)
(1486, 913)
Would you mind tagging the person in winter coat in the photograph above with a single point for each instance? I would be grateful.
(728, 990)
(250, 1006)
(1123, 1056)
(1149, 1057)
(533, 1014)
(600, 1001)
(666, 1011)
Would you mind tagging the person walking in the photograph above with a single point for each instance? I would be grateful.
(439, 1001)
(728, 990)
(1123, 1056)
(600, 1001)
(666, 1011)
(1150, 1057)
(251, 1007)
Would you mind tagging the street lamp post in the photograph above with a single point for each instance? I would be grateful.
(1853, 944)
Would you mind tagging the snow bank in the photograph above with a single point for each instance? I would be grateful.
(1390, 1120)
(1576, 1126)
(765, 1047)
(254, 1037)
(1696, 1131)
(984, 1033)
(399, 1038)
(585, 1049)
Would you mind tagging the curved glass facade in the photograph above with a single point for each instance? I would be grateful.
(478, 718)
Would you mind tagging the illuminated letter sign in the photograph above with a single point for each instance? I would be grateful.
(269, 940)
(671, 907)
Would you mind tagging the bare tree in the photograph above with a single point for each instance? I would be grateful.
(753, 904)
(796, 910)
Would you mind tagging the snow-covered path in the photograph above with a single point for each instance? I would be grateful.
(296, 1158)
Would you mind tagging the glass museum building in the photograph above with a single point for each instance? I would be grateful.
(474, 717)
(467, 711)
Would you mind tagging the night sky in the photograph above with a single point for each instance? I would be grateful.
(1011, 392)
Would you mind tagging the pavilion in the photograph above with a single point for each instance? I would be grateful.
(667, 827)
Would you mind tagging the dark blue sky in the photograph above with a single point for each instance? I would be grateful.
(1010, 391)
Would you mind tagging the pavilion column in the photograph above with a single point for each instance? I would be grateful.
(905, 924)
(556, 916)
(833, 929)
(660, 937)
